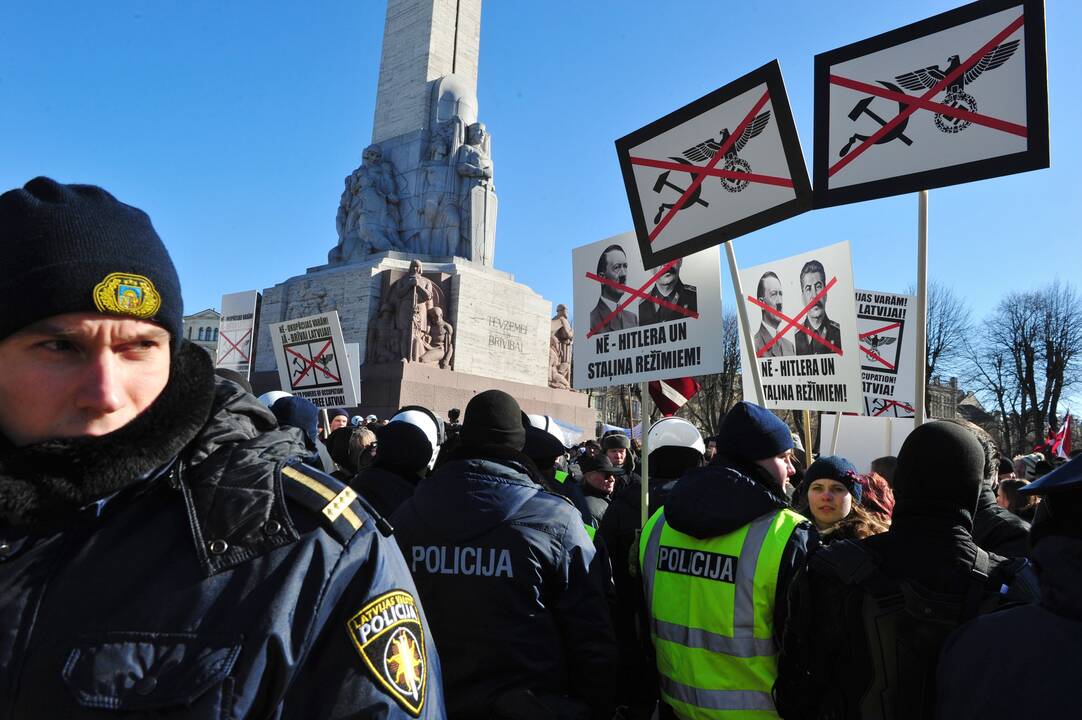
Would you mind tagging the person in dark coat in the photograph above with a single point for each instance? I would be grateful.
(827, 667)
(600, 478)
(996, 529)
(163, 553)
(1035, 647)
(519, 610)
(402, 454)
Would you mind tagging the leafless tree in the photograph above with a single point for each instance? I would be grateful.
(948, 328)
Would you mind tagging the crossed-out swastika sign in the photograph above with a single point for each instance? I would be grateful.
(958, 97)
(720, 167)
(312, 360)
(638, 325)
(887, 352)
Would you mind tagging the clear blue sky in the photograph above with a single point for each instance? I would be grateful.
(234, 123)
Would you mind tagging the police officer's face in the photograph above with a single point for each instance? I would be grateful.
(829, 502)
(811, 284)
(780, 467)
(79, 374)
(617, 455)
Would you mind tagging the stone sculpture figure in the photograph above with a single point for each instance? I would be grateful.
(560, 349)
(383, 337)
(476, 196)
(368, 219)
(413, 296)
(440, 340)
(439, 233)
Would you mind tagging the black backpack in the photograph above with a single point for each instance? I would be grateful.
(886, 632)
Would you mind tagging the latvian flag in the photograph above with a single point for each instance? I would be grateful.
(1060, 444)
(671, 395)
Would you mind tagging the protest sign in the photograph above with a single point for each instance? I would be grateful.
(312, 360)
(957, 97)
(887, 352)
(806, 342)
(236, 331)
(717, 168)
(862, 439)
(637, 325)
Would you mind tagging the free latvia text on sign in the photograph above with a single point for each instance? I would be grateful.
(718, 168)
(635, 325)
(958, 97)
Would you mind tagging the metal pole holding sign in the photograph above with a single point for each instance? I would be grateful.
(922, 308)
(745, 326)
(807, 438)
(646, 407)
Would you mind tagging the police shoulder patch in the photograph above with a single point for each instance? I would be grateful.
(388, 634)
(127, 294)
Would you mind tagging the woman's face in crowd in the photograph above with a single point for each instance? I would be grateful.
(829, 501)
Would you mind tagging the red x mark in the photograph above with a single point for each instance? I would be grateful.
(309, 364)
(872, 354)
(888, 404)
(234, 346)
(701, 173)
(645, 296)
(794, 322)
(924, 101)
(633, 293)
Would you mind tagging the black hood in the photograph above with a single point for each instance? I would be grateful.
(45, 482)
(1059, 560)
(939, 477)
(718, 499)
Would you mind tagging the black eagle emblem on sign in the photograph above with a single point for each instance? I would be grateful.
(733, 163)
(956, 96)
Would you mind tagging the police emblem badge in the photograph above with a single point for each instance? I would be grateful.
(387, 633)
(127, 294)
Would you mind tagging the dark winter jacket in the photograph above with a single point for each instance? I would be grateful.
(198, 581)
(997, 529)
(1023, 661)
(725, 496)
(506, 566)
(384, 489)
(597, 504)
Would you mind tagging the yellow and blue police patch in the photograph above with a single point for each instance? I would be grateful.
(388, 634)
(127, 294)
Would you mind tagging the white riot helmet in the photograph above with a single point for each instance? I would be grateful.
(429, 423)
(566, 434)
(269, 398)
(675, 432)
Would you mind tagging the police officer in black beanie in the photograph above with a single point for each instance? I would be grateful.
(162, 551)
(833, 662)
(507, 569)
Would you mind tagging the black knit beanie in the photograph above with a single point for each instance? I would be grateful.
(76, 248)
(493, 418)
(940, 471)
(750, 432)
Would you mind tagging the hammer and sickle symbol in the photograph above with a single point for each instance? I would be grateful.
(663, 182)
(862, 108)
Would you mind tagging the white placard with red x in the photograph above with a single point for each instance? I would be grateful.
(236, 331)
(887, 343)
(635, 325)
(804, 330)
(312, 360)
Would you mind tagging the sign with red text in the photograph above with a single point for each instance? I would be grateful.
(887, 342)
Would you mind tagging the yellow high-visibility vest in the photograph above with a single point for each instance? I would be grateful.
(711, 606)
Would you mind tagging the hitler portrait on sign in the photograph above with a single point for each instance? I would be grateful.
(612, 266)
(769, 292)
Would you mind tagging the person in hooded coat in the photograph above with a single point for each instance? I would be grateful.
(1035, 647)
(716, 563)
(163, 552)
(519, 609)
(831, 663)
(298, 412)
(402, 454)
(996, 529)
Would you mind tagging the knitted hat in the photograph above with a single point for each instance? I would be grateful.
(332, 413)
(837, 468)
(76, 248)
(750, 432)
(493, 418)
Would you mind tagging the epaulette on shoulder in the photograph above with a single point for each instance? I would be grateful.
(342, 510)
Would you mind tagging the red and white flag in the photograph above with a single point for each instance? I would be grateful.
(1060, 443)
(671, 395)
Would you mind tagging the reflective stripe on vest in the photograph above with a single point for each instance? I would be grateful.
(561, 476)
(711, 604)
(590, 530)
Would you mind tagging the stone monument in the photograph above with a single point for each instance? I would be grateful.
(411, 274)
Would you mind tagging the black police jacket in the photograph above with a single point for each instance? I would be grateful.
(214, 588)
(516, 607)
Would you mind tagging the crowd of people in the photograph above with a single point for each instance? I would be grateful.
(170, 545)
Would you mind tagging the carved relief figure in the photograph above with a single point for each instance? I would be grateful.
(368, 218)
(560, 349)
(439, 232)
(476, 196)
(440, 340)
(383, 337)
(413, 296)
